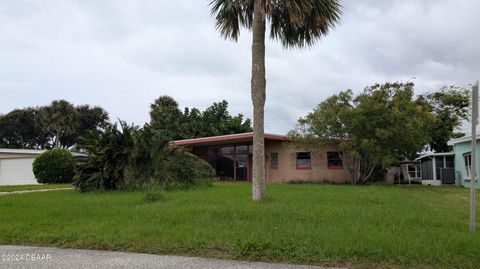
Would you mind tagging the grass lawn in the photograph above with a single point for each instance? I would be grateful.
(363, 227)
(11, 188)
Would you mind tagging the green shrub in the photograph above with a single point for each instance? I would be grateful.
(184, 168)
(174, 169)
(108, 156)
(137, 159)
(89, 175)
(54, 166)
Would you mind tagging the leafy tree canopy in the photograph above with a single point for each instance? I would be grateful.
(21, 128)
(375, 128)
(89, 119)
(59, 124)
(59, 118)
(173, 124)
(167, 118)
(450, 106)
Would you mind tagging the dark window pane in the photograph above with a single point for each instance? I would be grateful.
(212, 160)
(303, 160)
(449, 162)
(212, 150)
(224, 167)
(334, 160)
(274, 159)
(241, 149)
(226, 150)
(241, 166)
(468, 163)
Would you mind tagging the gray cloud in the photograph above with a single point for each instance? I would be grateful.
(122, 54)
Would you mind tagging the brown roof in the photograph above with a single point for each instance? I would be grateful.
(234, 138)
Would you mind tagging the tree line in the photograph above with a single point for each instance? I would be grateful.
(175, 124)
(59, 124)
(62, 124)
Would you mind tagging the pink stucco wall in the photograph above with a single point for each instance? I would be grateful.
(287, 169)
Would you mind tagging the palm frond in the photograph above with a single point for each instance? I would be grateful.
(299, 23)
(231, 15)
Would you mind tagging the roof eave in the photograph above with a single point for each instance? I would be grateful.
(226, 138)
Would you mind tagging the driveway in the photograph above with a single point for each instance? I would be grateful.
(41, 257)
(39, 190)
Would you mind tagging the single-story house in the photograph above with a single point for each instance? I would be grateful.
(462, 147)
(16, 166)
(231, 157)
(435, 168)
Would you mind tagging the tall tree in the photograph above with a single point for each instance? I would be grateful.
(194, 125)
(21, 128)
(450, 106)
(295, 23)
(59, 118)
(218, 121)
(377, 128)
(166, 118)
(90, 119)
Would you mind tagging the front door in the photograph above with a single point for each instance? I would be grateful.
(241, 167)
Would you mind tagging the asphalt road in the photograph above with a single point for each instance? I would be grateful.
(51, 258)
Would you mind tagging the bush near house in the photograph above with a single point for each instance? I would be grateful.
(54, 166)
(185, 168)
(126, 157)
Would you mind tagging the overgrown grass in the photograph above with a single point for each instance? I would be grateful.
(363, 227)
(11, 188)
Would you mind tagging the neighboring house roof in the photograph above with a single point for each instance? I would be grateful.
(244, 137)
(461, 140)
(435, 154)
(31, 151)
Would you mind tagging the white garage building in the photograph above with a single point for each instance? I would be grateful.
(16, 166)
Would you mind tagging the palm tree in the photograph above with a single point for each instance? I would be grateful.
(295, 23)
(60, 118)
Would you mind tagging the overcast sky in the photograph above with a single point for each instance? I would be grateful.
(122, 54)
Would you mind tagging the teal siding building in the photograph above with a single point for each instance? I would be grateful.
(462, 148)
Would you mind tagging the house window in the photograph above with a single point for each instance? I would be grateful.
(274, 160)
(304, 160)
(468, 164)
(334, 160)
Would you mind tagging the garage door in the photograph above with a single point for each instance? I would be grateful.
(17, 171)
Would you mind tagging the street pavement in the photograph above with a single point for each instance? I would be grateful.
(52, 258)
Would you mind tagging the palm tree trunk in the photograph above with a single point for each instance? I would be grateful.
(57, 139)
(258, 100)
